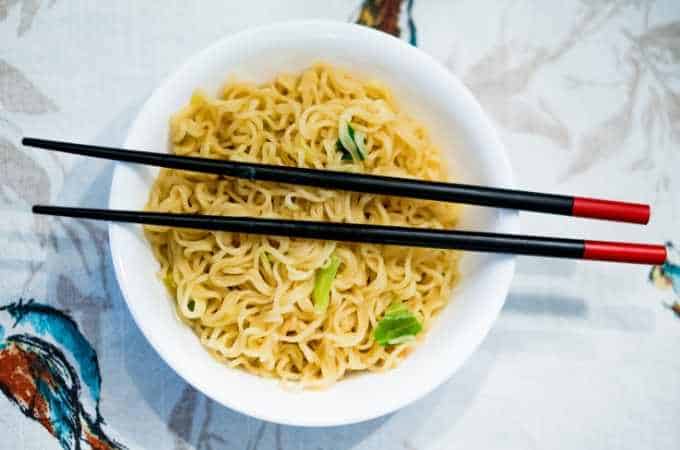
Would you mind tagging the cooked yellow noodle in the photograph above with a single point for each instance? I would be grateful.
(247, 297)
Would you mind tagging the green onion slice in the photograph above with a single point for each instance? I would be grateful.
(322, 284)
(399, 325)
(351, 143)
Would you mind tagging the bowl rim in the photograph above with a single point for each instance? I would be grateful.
(509, 217)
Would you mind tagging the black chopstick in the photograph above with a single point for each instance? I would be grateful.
(377, 234)
(401, 187)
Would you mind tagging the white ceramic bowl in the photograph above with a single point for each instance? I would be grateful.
(429, 93)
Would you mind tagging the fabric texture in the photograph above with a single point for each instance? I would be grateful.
(586, 98)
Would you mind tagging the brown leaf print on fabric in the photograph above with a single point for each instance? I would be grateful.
(98, 236)
(499, 84)
(672, 106)
(519, 115)
(22, 175)
(502, 77)
(85, 289)
(88, 308)
(609, 136)
(279, 441)
(33, 267)
(95, 238)
(502, 70)
(19, 173)
(29, 9)
(650, 98)
(254, 441)
(499, 87)
(183, 416)
(18, 94)
(658, 52)
(651, 119)
(663, 43)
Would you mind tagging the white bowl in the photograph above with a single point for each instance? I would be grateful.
(457, 124)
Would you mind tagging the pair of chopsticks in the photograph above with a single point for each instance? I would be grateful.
(377, 234)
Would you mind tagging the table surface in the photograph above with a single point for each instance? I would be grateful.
(586, 96)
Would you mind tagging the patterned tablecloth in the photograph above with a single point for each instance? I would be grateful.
(586, 96)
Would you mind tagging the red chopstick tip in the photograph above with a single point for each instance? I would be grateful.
(611, 210)
(624, 252)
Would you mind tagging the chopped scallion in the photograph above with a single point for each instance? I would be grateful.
(351, 143)
(399, 325)
(359, 139)
(322, 284)
(346, 155)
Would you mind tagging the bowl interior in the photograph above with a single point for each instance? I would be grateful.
(430, 94)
